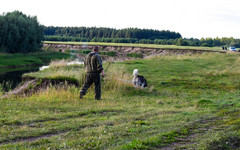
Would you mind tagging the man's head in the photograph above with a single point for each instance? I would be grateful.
(95, 49)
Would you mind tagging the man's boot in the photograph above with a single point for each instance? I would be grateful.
(81, 96)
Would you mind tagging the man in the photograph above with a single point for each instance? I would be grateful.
(93, 66)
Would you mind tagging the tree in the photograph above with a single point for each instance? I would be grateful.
(179, 42)
(20, 33)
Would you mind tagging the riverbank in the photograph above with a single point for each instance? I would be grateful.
(30, 59)
(124, 50)
(155, 46)
(12, 66)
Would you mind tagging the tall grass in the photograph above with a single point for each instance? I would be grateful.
(6, 86)
(58, 63)
(1, 90)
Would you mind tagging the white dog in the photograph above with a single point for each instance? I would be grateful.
(138, 81)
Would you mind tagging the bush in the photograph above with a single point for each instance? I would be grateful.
(204, 45)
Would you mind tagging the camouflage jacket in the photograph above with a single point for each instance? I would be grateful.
(93, 63)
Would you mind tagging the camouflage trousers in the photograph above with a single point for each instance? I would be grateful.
(89, 80)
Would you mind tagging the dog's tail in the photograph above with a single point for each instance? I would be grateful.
(135, 72)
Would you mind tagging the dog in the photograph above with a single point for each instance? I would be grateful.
(138, 81)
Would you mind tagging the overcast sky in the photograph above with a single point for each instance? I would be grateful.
(191, 18)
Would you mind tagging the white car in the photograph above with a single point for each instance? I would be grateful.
(232, 49)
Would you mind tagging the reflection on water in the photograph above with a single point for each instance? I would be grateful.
(10, 80)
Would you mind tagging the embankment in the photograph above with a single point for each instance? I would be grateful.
(124, 50)
(32, 85)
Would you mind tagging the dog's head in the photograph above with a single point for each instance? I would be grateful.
(135, 72)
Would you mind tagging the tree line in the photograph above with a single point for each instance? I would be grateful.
(209, 42)
(110, 35)
(20, 33)
(203, 42)
(98, 33)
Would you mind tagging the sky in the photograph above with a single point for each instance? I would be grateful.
(191, 18)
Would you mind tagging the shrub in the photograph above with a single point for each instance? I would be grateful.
(204, 45)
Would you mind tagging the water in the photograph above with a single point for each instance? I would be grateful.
(75, 62)
(11, 79)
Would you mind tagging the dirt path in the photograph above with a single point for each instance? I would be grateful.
(181, 143)
(206, 125)
(20, 89)
(54, 132)
(201, 131)
(201, 128)
(44, 136)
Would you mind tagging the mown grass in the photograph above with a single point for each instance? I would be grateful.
(137, 45)
(14, 60)
(186, 93)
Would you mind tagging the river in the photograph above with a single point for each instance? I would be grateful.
(11, 77)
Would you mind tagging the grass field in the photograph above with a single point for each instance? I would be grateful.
(192, 102)
(14, 60)
(137, 45)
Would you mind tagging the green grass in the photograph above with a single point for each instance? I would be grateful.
(186, 94)
(14, 60)
(135, 55)
(138, 45)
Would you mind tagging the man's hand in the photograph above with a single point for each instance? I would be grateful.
(103, 73)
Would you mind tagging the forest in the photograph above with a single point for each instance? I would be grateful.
(94, 32)
(132, 35)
